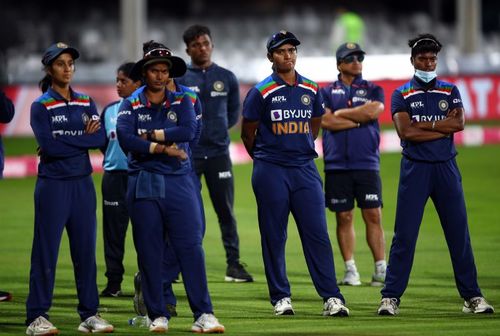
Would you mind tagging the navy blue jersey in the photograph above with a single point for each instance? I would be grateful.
(219, 92)
(114, 157)
(59, 127)
(137, 116)
(197, 111)
(429, 104)
(6, 115)
(284, 112)
(355, 148)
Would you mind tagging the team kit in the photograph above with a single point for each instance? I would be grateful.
(170, 127)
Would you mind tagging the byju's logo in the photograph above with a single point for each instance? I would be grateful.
(276, 115)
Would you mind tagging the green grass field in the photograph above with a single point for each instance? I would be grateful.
(430, 306)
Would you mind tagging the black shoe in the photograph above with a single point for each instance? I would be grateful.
(139, 306)
(111, 290)
(237, 273)
(171, 310)
(5, 296)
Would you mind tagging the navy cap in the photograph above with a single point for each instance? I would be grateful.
(347, 49)
(281, 38)
(57, 49)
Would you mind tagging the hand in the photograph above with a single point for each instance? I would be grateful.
(92, 126)
(175, 152)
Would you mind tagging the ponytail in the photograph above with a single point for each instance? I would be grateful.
(45, 83)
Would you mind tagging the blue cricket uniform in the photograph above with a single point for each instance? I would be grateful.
(429, 169)
(285, 179)
(64, 198)
(6, 115)
(115, 216)
(161, 198)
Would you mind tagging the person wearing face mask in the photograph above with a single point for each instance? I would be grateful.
(427, 112)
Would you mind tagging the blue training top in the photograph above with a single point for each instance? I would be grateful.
(427, 104)
(59, 127)
(175, 116)
(219, 92)
(284, 134)
(355, 148)
(6, 115)
(114, 157)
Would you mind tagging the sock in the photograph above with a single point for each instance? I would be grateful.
(350, 265)
(380, 266)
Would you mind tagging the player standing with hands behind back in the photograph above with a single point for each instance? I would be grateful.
(426, 113)
(219, 93)
(351, 138)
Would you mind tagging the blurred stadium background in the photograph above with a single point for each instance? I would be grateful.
(109, 32)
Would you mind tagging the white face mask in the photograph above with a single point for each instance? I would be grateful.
(426, 76)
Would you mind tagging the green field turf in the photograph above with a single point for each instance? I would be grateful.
(430, 306)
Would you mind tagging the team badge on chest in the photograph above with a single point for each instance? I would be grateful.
(85, 118)
(305, 99)
(443, 105)
(172, 116)
(361, 92)
(218, 86)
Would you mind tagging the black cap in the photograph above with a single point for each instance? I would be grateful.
(176, 65)
(281, 38)
(57, 49)
(347, 49)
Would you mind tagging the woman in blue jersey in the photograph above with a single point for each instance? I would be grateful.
(281, 119)
(155, 126)
(66, 125)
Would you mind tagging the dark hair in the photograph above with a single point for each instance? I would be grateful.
(195, 31)
(424, 43)
(126, 68)
(45, 83)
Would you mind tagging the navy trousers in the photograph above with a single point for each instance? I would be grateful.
(443, 184)
(60, 204)
(280, 190)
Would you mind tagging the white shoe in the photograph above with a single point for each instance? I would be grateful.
(284, 307)
(159, 325)
(41, 326)
(207, 324)
(378, 279)
(351, 278)
(477, 305)
(335, 307)
(95, 324)
(388, 306)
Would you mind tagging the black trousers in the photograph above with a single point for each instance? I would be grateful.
(218, 174)
(115, 222)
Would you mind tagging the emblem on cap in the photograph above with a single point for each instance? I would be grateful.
(443, 105)
(218, 86)
(61, 45)
(350, 45)
(283, 32)
(305, 99)
(172, 116)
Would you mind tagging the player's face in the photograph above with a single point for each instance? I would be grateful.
(200, 50)
(156, 76)
(426, 61)
(352, 65)
(124, 85)
(62, 69)
(284, 58)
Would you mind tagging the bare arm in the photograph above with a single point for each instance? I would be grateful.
(248, 132)
(363, 113)
(408, 130)
(331, 121)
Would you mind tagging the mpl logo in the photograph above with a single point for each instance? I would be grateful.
(58, 119)
(278, 99)
(276, 115)
(371, 197)
(417, 104)
(144, 117)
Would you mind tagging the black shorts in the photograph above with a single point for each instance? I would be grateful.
(343, 186)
